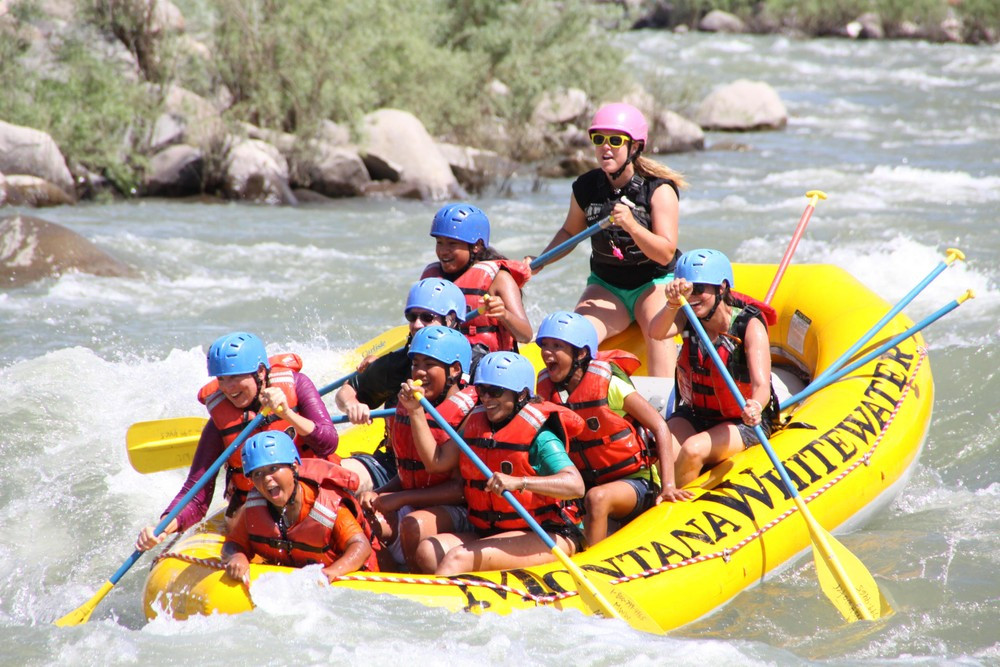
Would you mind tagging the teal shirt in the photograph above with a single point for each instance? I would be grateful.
(548, 455)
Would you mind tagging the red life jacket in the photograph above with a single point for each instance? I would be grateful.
(699, 383)
(475, 282)
(609, 448)
(231, 421)
(310, 540)
(409, 467)
(511, 444)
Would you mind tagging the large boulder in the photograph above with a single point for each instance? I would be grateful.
(176, 171)
(398, 138)
(475, 168)
(22, 190)
(257, 171)
(720, 21)
(24, 150)
(32, 249)
(742, 106)
(673, 133)
(331, 170)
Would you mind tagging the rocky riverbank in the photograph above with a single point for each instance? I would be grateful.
(179, 143)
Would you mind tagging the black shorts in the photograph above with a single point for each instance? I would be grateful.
(747, 433)
(570, 532)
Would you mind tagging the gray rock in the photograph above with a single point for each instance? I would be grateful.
(720, 21)
(742, 106)
(33, 191)
(176, 171)
(564, 106)
(32, 249)
(24, 150)
(257, 171)
(329, 169)
(398, 137)
(673, 133)
(474, 168)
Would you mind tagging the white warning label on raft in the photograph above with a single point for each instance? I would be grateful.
(797, 329)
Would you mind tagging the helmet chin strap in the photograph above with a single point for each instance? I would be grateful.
(629, 160)
(718, 302)
(577, 363)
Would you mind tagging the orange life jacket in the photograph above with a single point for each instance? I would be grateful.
(511, 444)
(231, 421)
(475, 283)
(699, 383)
(609, 448)
(309, 540)
(409, 467)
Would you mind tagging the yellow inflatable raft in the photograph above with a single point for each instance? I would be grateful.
(848, 448)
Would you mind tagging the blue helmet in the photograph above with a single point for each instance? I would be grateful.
(268, 448)
(444, 344)
(571, 328)
(437, 295)
(463, 222)
(235, 354)
(509, 370)
(708, 267)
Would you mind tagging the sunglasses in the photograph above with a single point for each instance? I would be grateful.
(613, 140)
(424, 317)
(490, 390)
(701, 288)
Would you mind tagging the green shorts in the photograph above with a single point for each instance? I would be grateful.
(629, 296)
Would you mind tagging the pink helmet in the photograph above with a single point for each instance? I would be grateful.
(621, 117)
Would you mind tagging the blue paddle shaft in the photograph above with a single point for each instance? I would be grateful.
(199, 485)
(819, 383)
(735, 391)
(832, 368)
(508, 496)
(550, 255)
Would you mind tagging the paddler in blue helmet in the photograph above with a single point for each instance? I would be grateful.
(709, 426)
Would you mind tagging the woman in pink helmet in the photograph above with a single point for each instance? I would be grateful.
(632, 260)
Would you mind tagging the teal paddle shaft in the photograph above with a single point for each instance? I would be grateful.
(818, 384)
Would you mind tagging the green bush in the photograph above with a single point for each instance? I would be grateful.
(818, 17)
(97, 116)
(920, 12)
(978, 17)
(290, 65)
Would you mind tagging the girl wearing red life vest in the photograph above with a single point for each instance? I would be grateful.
(709, 426)
(611, 454)
(417, 503)
(246, 382)
(299, 513)
(486, 278)
(526, 440)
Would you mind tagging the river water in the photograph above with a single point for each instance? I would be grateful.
(903, 138)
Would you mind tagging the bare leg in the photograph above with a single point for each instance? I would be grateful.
(706, 448)
(512, 549)
(662, 353)
(365, 479)
(417, 526)
(604, 310)
(615, 499)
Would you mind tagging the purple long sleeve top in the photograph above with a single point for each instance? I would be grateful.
(322, 441)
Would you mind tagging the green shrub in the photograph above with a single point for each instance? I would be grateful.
(94, 112)
(920, 12)
(978, 17)
(818, 17)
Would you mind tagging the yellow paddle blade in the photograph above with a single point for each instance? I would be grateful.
(842, 576)
(163, 444)
(609, 600)
(868, 603)
(81, 614)
(393, 339)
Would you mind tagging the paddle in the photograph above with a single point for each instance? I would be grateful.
(816, 385)
(814, 196)
(842, 577)
(165, 444)
(624, 608)
(553, 254)
(951, 255)
(82, 613)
